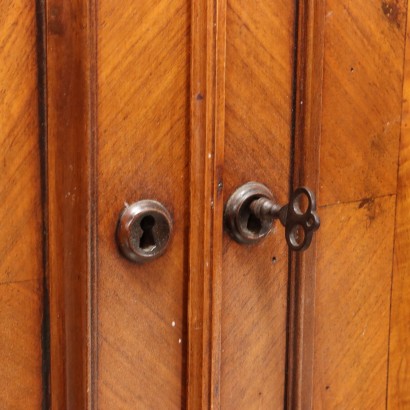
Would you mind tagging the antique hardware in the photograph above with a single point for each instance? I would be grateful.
(143, 231)
(251, 210)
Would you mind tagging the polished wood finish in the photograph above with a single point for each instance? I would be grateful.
(399, 359)
(362, 88)
(208, 25)
(143, 153)
(259, 68)
(358, 170)
(20, 344)
(71, 200)
(353, 304)
(302, 275)
(21, 245)
(183, 102)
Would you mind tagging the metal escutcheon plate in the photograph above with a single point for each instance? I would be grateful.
(143, 231)
(240, 223)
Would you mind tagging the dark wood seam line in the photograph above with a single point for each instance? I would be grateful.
(290, 184)
(354, 201)
(395, 209)
(41, 46)
(92, 311)
(20, 281)
(214, 49)
(186, 236)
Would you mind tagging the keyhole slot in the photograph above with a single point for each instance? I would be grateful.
(147, 240)
(254, 224)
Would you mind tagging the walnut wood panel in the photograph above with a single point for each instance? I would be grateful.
(20, 159)
(208, 25)
(21, 271)
(20, 336)
(302, 275)
(358, 170)
(355, 246)
(399, 360)
(364, 48)
(143, 152)
(71, 203)
(148, 341)
(259, 69)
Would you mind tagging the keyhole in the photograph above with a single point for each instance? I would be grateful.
(147, 241)
(254, 224)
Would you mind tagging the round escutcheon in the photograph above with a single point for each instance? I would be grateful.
(241, 224)
(144, 230)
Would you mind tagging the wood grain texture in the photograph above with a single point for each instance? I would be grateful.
(306, 165)
(21, 268)
(20, 159)
(399, 359)
(20, 338)
(358, 170)
(363, 64)
(70, 77)
(259, 67)
(355, 246)
(206, 203)
(143, 152)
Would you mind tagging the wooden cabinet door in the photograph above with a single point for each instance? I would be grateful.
(182, 102)
(360, 134)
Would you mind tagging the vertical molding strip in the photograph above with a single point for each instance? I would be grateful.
(308, 110)
(208, 33)
(42, 113)
(398, 388)
(71, 88)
